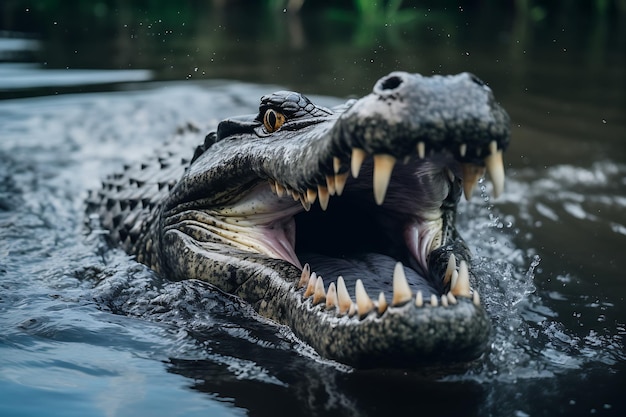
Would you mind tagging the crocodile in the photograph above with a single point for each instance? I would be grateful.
(338, 223)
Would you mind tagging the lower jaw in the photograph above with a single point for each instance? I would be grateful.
(403, 336)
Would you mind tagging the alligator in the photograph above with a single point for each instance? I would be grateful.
(336, 222)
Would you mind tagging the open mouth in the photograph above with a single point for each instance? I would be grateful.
(364, 237)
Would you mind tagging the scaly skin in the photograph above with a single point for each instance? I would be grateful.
(266, 193)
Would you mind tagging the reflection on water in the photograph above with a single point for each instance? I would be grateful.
(21, 76)
(87, 331)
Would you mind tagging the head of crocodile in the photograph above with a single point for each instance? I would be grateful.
(338, 223)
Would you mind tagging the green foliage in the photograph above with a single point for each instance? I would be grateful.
(375, 13)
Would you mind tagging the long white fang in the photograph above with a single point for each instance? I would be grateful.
(310, 288)
(340, 182)
(476, 298)
(444, 301)
(330, 184)
(449, 269)
(331, 297)
(363, 302)
(295, 195)
(462, 285)
(322, 193)
(304, 277)
(471, 175)
(450, 174)
(343, 296)
(280, 190)
(352, 310)
(463, 149)
(305, 203)
(336, 164)
(319, 295)
(419, 299)
(433, 300)
(421, 149)
(383, 165)
(358, 156)
(311, 195)
(495, 167)
(455, 277)
(451, 298)
(382, 303)
(401, 289)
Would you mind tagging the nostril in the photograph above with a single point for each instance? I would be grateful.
(391, 83)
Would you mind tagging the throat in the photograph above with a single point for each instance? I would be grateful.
(356, 240)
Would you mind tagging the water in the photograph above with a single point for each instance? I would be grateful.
(87, 331)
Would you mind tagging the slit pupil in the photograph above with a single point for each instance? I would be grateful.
(271, 119)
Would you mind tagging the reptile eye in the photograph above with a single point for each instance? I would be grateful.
(273, 120)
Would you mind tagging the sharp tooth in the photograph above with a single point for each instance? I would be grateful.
(471, 175)
(444, 301)
(363, 302)
(450, 174)
(419, 299)
(330, 184)
(322, 192)
(495, 167)
(451, 267)
(433, 300)
(421, 149)
(451, 298)
(272, 186)
(463, 150)
(382, 303)
(343, 297)
(358, 155)
(305, 202)
(462, 286)
(311, 195)
(310, 288)
(331, 297)
(352, 310)
(336, 164)
(295, 195)
(383, 165)
(280, 190)
(476, 298)
(455, 276)
(304, 277)
(340, 182)
(319, 296)
(401, 289)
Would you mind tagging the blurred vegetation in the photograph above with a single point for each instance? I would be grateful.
(318, 43)
(367, 10)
